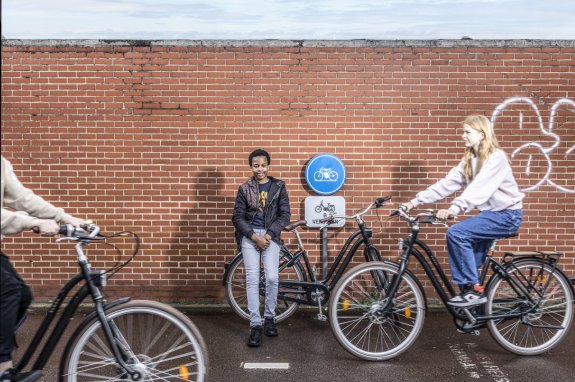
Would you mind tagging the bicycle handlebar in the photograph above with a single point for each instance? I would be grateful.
(87, 231)
(429, 216)
(377, 203)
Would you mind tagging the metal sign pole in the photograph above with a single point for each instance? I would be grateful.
(324, 253)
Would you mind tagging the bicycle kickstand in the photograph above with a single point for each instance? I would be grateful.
(318, 296)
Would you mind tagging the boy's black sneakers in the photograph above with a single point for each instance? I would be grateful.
(472, 295)
(270, 328)
(255, 339)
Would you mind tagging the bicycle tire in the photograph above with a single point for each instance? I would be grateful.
(236, 291)
(361, 326)
(521, 335)
(158, 338)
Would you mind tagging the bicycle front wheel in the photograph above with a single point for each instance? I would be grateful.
(236, 289)
(540, 322)
(368, 322)
(157, 340)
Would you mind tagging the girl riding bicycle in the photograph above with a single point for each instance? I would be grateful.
(489, 185)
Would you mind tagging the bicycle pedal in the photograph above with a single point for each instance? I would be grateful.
(471, 332)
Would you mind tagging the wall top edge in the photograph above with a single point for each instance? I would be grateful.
(515, 43)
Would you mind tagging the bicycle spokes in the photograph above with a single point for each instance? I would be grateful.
(538, 306)
(368, 321)
(155, 346)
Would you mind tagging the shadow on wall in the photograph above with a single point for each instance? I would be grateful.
(200, 244)
(408, 178)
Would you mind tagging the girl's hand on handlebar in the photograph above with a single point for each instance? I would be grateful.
(408, 206)
(445, 214)
(402, 209)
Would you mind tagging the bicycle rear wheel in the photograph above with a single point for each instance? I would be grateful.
(236, 290)
(360, 319)
(544, 322)
(158, 340)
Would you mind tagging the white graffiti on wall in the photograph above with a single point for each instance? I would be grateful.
(545, 151)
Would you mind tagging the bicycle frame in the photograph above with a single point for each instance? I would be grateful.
(443, 287)
(378, 309)
(335, 268)
(346, 254)
(94, 281)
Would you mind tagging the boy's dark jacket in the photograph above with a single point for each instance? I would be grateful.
(276, 214)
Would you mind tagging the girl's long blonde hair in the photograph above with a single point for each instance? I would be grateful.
(487, 146)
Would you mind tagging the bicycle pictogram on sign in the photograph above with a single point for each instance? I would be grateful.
(327, 207)
(325, 175)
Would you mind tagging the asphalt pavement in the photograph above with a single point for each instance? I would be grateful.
(306, 350)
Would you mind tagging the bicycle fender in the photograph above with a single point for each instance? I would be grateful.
(227, 266)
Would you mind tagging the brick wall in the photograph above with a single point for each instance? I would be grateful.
(153, 137)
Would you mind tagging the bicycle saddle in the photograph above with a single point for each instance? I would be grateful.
(293, 225)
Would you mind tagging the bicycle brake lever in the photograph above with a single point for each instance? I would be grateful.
(379, 202)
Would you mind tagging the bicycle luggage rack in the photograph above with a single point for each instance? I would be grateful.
(553, 256)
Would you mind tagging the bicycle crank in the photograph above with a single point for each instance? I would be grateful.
(319, 296)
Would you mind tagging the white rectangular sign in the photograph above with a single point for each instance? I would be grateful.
(318, 207)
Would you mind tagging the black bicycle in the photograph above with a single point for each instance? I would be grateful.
(298, 283)
(378, 309)
(121, 340)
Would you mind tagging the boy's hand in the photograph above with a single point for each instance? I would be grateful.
(261, 241)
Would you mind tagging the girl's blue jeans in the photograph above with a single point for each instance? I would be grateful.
(270, 259)
(469, 241)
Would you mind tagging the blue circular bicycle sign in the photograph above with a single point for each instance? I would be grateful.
(325, 174)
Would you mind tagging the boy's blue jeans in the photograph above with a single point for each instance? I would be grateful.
(469, 241)
(270, 259)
